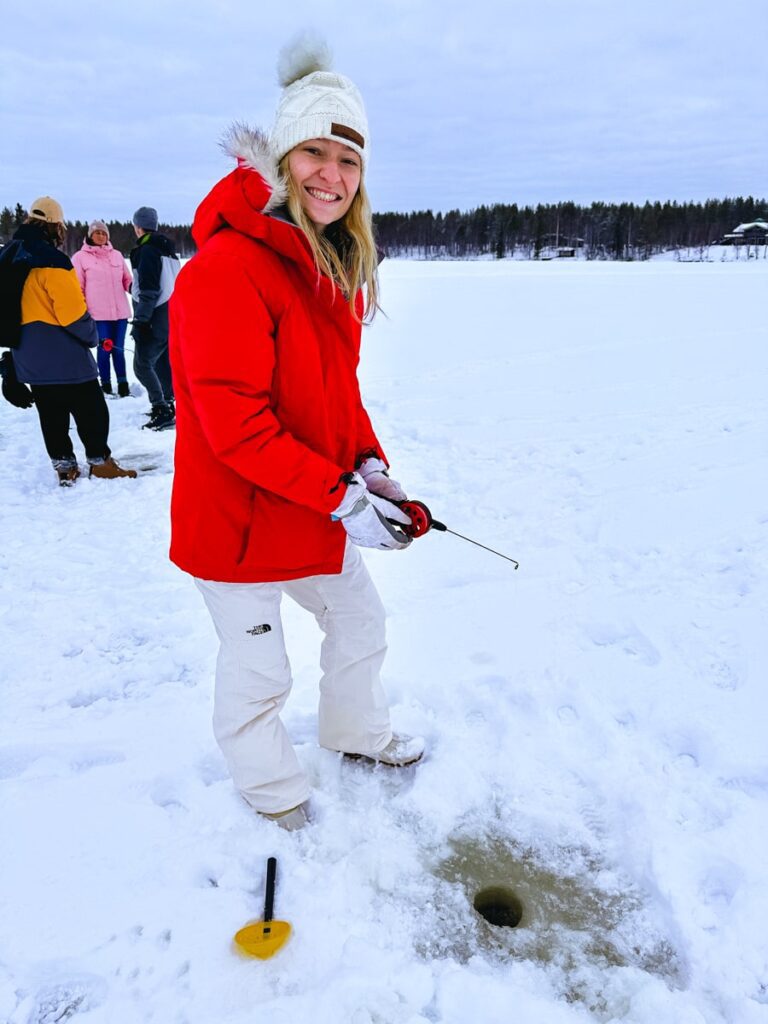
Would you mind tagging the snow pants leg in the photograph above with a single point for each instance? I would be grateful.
(150, 358)
(86, 404)
(353, 713)
(253, 677)
(115, 330)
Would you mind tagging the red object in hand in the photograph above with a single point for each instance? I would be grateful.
(421, 519)
(107, 344)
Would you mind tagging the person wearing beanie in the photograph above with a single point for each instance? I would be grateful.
(279, 477)
(146, 218)
(51, 350)
(105, 279)
(155, 265)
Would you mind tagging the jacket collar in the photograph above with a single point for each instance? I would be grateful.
(251, 199)
(97, 250)
(35, 248)
(31, 233)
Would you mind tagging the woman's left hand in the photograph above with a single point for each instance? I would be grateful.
(378, 481)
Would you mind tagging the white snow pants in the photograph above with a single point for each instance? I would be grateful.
(253, 676)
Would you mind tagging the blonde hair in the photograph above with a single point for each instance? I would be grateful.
(356, 265)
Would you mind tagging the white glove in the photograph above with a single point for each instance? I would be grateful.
(377, 480)
(367, 518)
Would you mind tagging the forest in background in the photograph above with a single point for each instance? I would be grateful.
(121, 235)
(621, 231)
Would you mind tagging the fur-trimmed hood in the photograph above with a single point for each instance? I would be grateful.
(252, 150)
(243, 199)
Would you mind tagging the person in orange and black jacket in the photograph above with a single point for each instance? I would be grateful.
(53, 354)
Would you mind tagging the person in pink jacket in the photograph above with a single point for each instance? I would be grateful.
(105, 278)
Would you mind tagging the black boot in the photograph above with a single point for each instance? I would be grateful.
(123, 389)
(154, 415)
(162, 418)
(67, 471)
(106, 387)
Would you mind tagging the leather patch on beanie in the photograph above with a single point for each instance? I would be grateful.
(349, 134)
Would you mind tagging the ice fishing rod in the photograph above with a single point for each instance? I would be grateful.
(422, 521)
(109, 346)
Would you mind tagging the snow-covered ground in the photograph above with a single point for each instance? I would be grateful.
(596, 720)
(715, 253)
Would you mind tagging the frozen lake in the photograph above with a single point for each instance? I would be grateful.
(595, 720)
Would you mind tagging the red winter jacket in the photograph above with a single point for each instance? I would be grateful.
(268, 409)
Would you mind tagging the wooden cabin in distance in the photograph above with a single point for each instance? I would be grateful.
(753, 233)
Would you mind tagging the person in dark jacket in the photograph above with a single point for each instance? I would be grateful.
(155, 266)
(54, 355)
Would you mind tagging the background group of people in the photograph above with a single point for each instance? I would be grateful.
(54, 311)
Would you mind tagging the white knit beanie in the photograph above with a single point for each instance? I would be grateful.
(316, 103)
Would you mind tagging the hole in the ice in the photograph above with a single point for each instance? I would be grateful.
(499, 906)
(573, 912)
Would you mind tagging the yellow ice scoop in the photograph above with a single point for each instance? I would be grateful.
(262, 939)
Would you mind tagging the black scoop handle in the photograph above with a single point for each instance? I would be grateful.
(269, 896)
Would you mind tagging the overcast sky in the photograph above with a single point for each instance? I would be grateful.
(108, 106)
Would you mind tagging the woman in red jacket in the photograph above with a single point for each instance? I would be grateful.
(279, 475)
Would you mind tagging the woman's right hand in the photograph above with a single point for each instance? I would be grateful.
(371, 521)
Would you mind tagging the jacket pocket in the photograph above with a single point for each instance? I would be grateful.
(285, 535)
(246, 537)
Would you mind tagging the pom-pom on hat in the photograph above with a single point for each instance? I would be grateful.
(46, 209)
(98, 225)
(317, 103)
(146, 217)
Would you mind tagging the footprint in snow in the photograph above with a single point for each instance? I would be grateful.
(567, 714)
(56, 1003)
(16, 760)
(627, 638)
(716, 656)
(164, 794)
(212, 769)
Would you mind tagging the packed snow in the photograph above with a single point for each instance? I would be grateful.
(595, 720)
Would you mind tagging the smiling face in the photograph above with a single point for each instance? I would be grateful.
(99, 237)
(326, 176)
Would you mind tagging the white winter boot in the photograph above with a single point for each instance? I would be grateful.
(399, 752)
(291, 820)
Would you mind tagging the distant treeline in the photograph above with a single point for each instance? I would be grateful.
(121, 235)
(599, 231)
